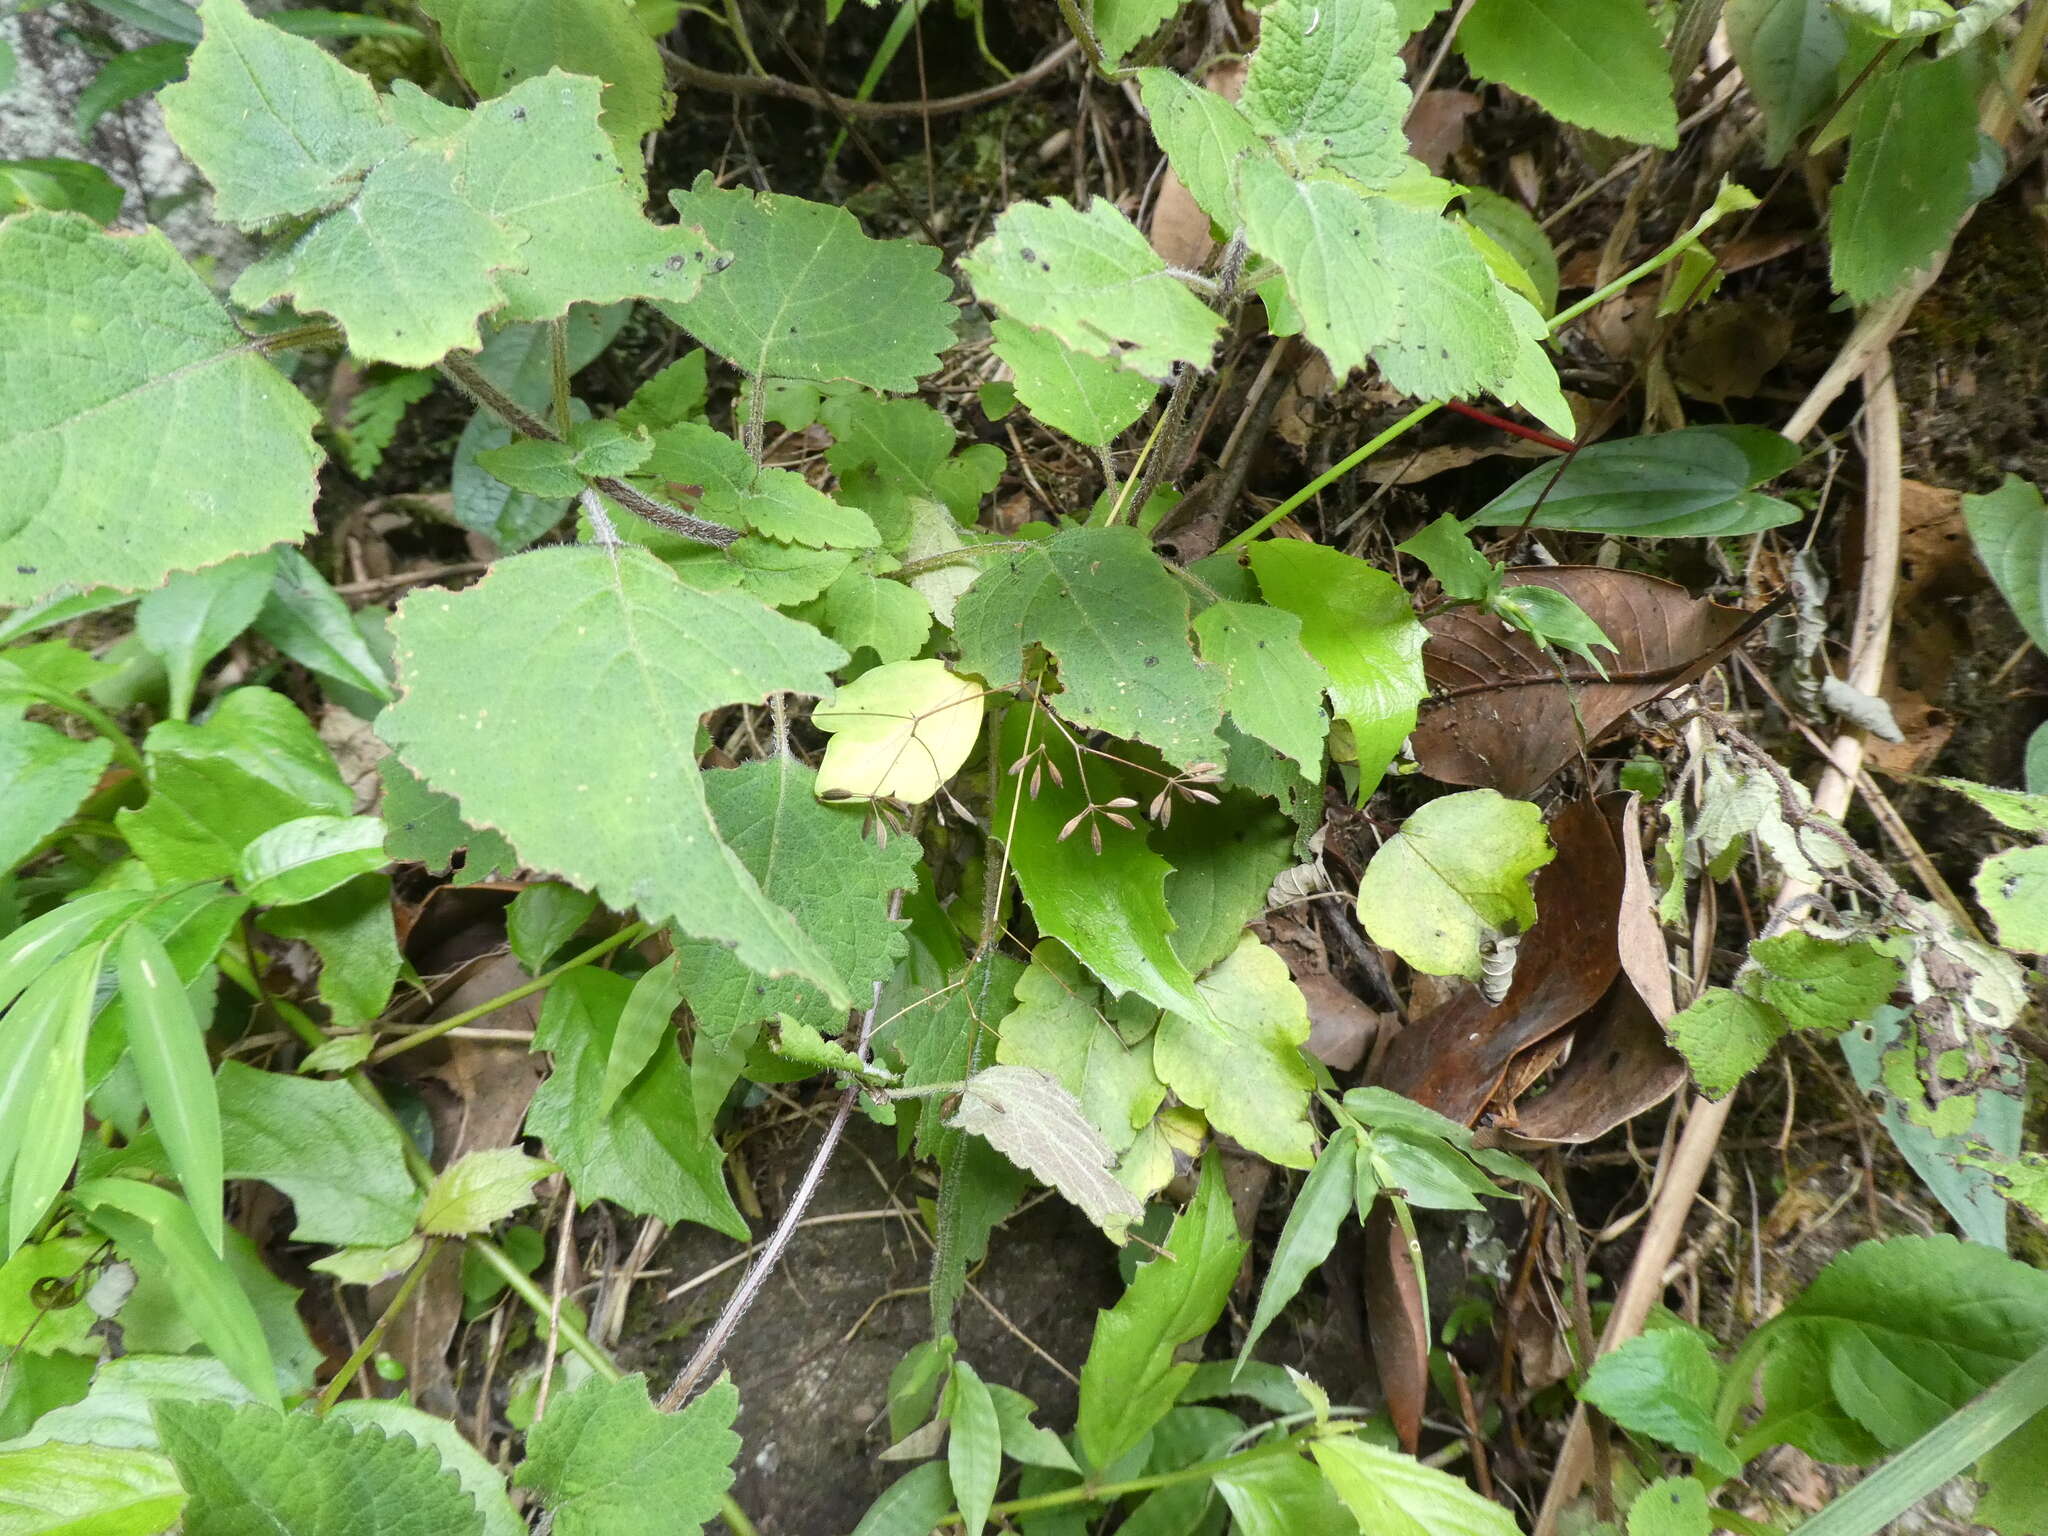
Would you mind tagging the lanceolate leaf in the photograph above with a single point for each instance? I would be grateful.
(1395, 1495)
(808, 296)
(42, 1087)
(192, 617)
(1689, 483)
(1100, 600)
(1596, 63)
(1028, 1117)
(1326, 83)
(1326, 1196)
(167, 1043)
(606, 652)
(159, 403)
(1089, 278)
(1788, 51)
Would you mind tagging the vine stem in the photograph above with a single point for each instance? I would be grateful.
(363, 1351)
(785, 1229)
(1087, 1493)
(1687, 1166)
(631, 933)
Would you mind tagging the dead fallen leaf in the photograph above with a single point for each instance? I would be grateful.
(1436, 126)
(1395, 1321)
(1639, 936)
(1725, 348)
(1501, 716)
(1620, 1065)
(1340, 1027)
(1934, 545)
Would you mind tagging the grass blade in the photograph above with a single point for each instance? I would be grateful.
(642, 1026)
(168, 1045)
(42, 1092)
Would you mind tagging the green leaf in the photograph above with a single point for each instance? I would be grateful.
(603, 1458)
(1684, 484)
(342, 1163)
(167, 1043)
(1908, 183)
(2009, 528)
(643, 1028)
(425, 826)
(256, 763)
(1458, 332)
(2012, 887)
(890, 454)
(911, 1505)
(158, 1233)
(1283, 1496)
(649, 1155)
(1120, 25)
(192, 617)
(1087, 277)
(1552, 619)
(735, 490)
(1909, 1329)
(1239, 1061)
(1029, 1117)
(498, 44)
(27, 1312)
(479, 1190)
(1671, 1506)
(1326, 1196)
(1108, 610)
(303, 859)
(1788, 52)
(44, 777)
(482, 1481)
(1664, 1384)
(159, 403)
(544, 917)
(42, 1087)
(1595, 63)
(1130, 1378)
(1059, 1026)
(374, 415)
(862, 609)
(1514, 230)
(366, 1266)
(1724, 1036)
(1105, 900)
(676, 394)
(352, 930)
(52, 1488)
(1088, 399)
(60, 185)
(1356, 621)
(31, 950)
(1325, 235)
(1396, 1495)
(1819, 983)
(974, 1448)
(808, 296)
(253, 1469)
(897, 732)
(1205, 138)
(606, 649)
(1456, 873)
(125, 76)
(1463, 572)
(1273, 688)
(2009, 807)
(1325, 82)
(1023, 1441)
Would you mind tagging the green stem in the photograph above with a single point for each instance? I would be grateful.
(1637, 273)
(628, 934)
(1084, 34)
(91, 714)
(946, 557)
(318, 334)
(558, 373)
(1334, 473)
(1097, 1493)
(375, 1336)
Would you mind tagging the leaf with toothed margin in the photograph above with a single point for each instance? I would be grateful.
(558, 701)
(1325, 83)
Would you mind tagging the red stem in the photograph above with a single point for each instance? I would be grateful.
(1503, 424)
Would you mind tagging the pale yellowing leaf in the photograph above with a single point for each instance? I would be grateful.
(898, 732)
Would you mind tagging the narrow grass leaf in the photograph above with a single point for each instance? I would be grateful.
(168, 1045)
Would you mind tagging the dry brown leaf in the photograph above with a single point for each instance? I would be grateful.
(1639, 936)
(1340, 1027)
(1394, 1318)
(1436, 126)
(1178, 230)
(1501, 716)
(1620, 1065)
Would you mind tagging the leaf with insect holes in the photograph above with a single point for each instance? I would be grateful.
(808, 296)
(898, 732)
(1325, 83)
(1089, 278)
(1595, 63)
(1086, 398)
(158, 401)
(609, 653)
(1325, 234)
(1028, 1117)
(1456, 335)
(1116, 620)
(1456, 871)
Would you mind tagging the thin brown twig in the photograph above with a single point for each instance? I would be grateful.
(683, 72)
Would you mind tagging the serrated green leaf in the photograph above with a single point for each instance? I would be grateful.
(158, 403)
(676, 394)
(1104, 900)
(482, 1481)
(1724, 1036)
(1325, 235)
(1788, 52)
(192, 617)
(604, 1457)
(1240, 1062)
(1205, 138)
(479, 1190)
(2012, 888)
(1326, 1196)
(649, 1155)
(1225, 858)
(1685, 484)
(974, 1448)
(498, 44)
(2026, 812)
(735, 490)
(606, 649)
(2009, 528)
(342, 1164)
(1120, 25)
(303, 859)
(1273, 687)
(1456, 872)
(1356, 622)
(1059, 1026)
(375, 414)
(889, 454)
(1130, 1378)
(1087, 277)
(254, 1469)
(1103, 604)
(864, 610)
(1023, 1441)
(53, 1489)
(808, 296)
(1088, 399)
(167, 1043)
(157, 1232)
(1514, 230)
(897, 732)
(1456, 334)
(426, 826)
(44, 777)
(1819, 983)
(1664, 1384)
(1326, 83)
(1671, 1506)
(1595, 63)
(1029, 1117)
(1395, 1495)
(1908, 182)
